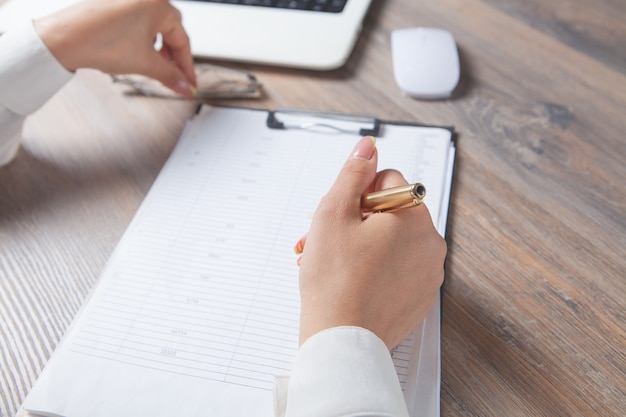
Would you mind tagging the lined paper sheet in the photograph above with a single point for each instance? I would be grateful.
(197, 309)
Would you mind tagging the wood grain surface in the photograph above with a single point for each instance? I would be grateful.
(534, 304)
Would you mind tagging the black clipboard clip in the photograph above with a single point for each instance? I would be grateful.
(325, 121)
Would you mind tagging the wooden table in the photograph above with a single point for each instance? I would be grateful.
(534, 305)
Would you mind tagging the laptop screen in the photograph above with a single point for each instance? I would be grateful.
(330, 6)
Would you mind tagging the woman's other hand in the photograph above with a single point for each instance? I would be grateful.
(118, 37)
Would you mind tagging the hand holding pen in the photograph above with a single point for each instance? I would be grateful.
(381, 271)
(384, 201)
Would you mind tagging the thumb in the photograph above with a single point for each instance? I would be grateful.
(356, 176)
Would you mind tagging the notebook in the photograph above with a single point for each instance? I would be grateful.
(312, 34)
(197, 309)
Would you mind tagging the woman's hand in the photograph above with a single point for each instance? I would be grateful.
(118, 37)
(381, 272)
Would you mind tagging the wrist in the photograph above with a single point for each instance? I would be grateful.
(56, 40)
(325, 319)
(65, 33)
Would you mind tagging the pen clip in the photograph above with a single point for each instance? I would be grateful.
(325, 121)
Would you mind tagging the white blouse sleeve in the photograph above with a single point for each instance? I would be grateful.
(343, 371)
(29, 76)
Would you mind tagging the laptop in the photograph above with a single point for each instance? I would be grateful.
(309, 34)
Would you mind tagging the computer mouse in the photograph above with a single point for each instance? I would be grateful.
(425, 62)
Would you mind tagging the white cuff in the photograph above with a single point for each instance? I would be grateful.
(29, 73)
(10, 135)
(343, 371)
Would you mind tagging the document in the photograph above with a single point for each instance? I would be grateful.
(198, 307)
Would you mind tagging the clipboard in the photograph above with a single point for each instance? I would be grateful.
(425, 363)
(179, 322)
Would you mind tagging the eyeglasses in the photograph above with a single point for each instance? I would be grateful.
(214, 82)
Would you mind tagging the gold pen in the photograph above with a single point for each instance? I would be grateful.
(395, 198)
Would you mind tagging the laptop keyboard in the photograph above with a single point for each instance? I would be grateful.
(330, 6)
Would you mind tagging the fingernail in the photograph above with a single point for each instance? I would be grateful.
(299, 260)
(299, 246)
(193, 90)
(364, 149)
(184, 88)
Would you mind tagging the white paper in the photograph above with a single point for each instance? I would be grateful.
(197, 309)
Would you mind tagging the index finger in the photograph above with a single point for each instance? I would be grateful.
(388, 178)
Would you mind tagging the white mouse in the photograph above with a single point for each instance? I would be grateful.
(425, 62)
